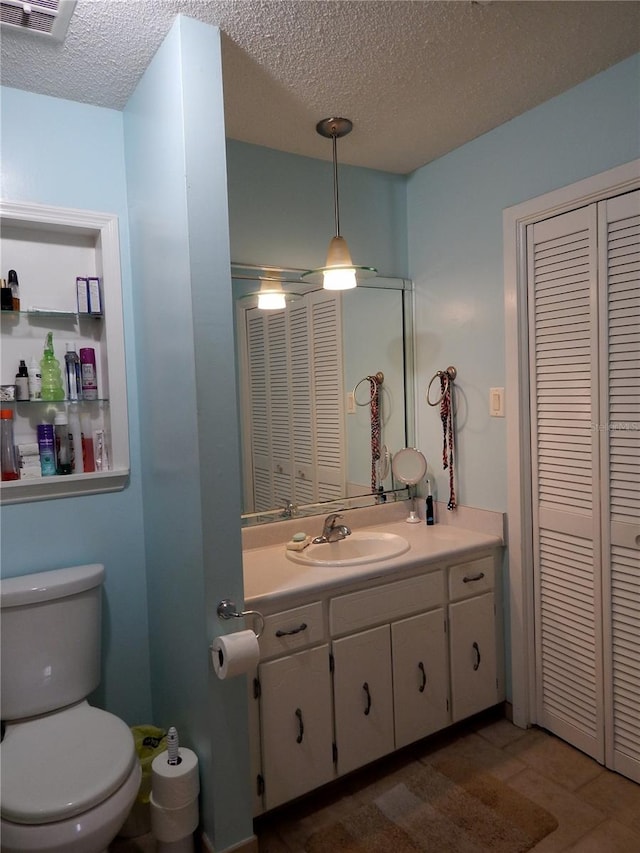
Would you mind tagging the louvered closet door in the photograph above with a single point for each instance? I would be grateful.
(303, 444)
(563, 327)
(279, 407)
(259, 409)
(328, 393)
(619, 430)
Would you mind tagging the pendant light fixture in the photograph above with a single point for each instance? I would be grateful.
(271, 296)
(339, 271)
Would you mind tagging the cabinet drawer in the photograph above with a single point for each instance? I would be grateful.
(471, 578)
(385, 603)
(292, 630)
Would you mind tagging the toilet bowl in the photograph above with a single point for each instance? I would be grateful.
(70, 772)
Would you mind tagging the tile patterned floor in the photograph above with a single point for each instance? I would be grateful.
(597, 811)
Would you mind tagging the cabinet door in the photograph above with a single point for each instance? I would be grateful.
(254, 743)
(363, 697)
(297, 734)
(472, 639)
(420, 676)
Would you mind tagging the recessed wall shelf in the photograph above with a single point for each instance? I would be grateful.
(49, 247)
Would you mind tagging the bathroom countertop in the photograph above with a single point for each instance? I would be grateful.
(272, 580)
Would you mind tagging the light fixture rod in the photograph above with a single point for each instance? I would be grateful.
(333, 128)
(336, 202)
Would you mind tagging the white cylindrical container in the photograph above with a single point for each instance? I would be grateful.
(169, 825)
(175, 785)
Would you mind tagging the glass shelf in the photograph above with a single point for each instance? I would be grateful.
(51, 314)
(55, 402)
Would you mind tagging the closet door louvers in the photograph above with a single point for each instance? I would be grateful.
(562, 266)
(328, 390)
(619, 429)
(259, 409)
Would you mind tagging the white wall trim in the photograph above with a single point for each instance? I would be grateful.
(515, 220)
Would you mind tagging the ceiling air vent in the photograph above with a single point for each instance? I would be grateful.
(46, 17)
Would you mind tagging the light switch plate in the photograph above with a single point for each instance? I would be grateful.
(496, 402)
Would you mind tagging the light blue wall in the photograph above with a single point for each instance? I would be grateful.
(455, 252)
(281, 210)
(71, 155)
(175, 155)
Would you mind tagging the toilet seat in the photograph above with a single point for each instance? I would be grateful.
(63, 764)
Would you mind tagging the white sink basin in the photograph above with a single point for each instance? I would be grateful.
(355, 549)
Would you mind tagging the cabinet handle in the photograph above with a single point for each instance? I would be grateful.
(300, 726)
(471, 578)
(424, 677)
(301, 627)
(365, 687)
(477, 651)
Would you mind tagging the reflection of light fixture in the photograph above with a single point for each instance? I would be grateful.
(339, 272)
(271, 296)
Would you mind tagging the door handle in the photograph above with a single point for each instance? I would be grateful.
(300, 726)
(477, 651)
(365, 687)
(424, 677)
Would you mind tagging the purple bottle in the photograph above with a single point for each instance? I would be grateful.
(89, 376)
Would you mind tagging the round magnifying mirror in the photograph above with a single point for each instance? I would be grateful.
(409, 466)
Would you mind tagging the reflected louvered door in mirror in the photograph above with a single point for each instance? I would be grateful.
(619, 428)
(584, 337)
(295, 402)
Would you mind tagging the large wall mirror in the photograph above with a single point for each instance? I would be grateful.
(325, 388)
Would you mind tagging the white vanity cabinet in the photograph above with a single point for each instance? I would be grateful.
(473, 637)
(49, 247)
(420, 676)
(348, 678)
(296, 725)
(363, 692)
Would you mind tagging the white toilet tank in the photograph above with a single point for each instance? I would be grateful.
(49, 639)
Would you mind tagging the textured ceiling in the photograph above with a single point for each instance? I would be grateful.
(417, 78)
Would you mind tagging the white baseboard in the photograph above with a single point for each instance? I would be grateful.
(249, 845)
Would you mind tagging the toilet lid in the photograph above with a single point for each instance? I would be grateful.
(61, 765)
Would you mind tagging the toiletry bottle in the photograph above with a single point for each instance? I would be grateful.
(47, 449)
(77, 465)
(6, 299)
(72, 375)
(88, 459)
(22, 381)
(35, 381)
(64, 453)
(89, 376)
(15, 290)
(429, 505)
(51, 376)
(9, 469)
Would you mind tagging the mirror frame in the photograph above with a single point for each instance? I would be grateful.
(292, 284)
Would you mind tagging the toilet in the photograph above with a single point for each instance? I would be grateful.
(70, 773)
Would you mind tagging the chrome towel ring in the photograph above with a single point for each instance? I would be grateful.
(450, 373)
(379, 379)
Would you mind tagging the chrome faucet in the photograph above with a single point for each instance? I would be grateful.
(289, 510)
(331, 532)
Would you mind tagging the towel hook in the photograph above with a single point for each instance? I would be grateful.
(228, 610)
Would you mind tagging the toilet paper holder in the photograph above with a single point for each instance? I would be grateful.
(228, 610)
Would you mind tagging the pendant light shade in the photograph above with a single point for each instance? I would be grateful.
(339, 271)
(271, 296)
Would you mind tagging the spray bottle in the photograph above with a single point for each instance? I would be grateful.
(51, 377)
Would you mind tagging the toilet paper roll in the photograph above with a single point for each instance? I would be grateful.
(235, 654)
(175, 785)
(173, 824)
